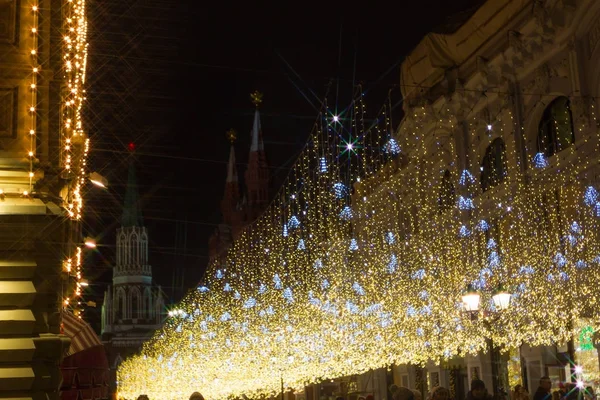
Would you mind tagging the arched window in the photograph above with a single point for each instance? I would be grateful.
(135, 304)
(447, 196)
(555, 132)
(134, 249)
(493, 166)
(120, 311)
(147, 312)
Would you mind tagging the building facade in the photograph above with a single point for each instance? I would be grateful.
(241, 207)
(508, 100)
(133, 308)
(42, 173)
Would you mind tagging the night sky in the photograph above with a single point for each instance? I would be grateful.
(172, 76)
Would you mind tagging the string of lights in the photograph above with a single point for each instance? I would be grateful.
(75, 142)
(361, 260)
(35, 69)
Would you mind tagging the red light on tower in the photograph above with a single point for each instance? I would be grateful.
(131, 146)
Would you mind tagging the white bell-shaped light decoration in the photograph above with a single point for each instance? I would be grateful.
(501, 299)
(471, 299)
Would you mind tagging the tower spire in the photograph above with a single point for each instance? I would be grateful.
(257, 174)
(257, 142)
(231, 169)
(132, 214)
(232, 191)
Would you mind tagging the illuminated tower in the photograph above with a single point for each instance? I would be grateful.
(231, 195)
(241, 208)
(133, 309)
(257, 174)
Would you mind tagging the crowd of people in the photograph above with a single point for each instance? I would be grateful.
(565, 391)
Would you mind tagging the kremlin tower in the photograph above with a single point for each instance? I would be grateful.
(240, 208)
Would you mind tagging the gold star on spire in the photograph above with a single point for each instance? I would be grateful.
(256, 98)
(231, 135)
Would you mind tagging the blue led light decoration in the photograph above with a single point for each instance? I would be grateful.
(466, 178)
(318, 264)
(392, 264)
(277, 282)
(390, 238)
(301, 245)
(323, 165)
(294, 222)
(353, 245)
(590, 197)
(465, 203)
(540, 161)
(287, 294)
(340, 190)
(391, 147)
(346, 214)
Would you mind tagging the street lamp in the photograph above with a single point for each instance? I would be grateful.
(471, 299)
(501, 299)
(90, 242)
(98, 180)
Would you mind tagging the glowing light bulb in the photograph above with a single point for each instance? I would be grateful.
(336, 118)
(34, 8)
(489, 127)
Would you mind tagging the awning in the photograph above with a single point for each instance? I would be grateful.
(82, 335)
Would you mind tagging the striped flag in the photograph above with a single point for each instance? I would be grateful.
(82, 335)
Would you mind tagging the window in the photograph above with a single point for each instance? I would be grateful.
(447, 196)
(120, 306)
(135, 305)
(555, 132)
(493, 167)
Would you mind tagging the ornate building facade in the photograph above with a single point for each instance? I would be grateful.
(508, 101)
(42, 171)
(241, 207)
(133, 308)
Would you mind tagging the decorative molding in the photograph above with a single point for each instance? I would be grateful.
(9, 22)
(8, 112)
(594, 36)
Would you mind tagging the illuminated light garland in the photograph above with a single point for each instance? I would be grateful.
(378, 281)
(32, 107)
(75, 145)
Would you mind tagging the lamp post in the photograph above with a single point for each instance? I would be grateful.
(471, 301)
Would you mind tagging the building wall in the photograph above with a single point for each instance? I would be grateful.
(35, 231)
(493, 79)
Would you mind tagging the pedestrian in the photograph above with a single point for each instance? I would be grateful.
(196, 396)
(543, 390)
(478, 391)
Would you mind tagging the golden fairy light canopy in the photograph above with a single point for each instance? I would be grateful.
(361, 261)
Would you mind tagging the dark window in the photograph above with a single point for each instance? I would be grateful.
(556, 132)
(119, 310)
(135, 305)
(447, 196)
(493, 167)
